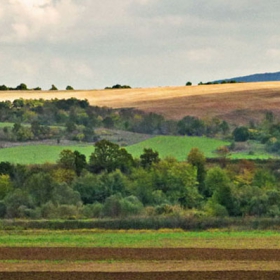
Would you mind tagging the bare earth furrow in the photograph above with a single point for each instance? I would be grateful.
(158, 254)
(229, 275)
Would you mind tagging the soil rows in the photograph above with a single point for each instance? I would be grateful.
(138, 263)
(196, 275)
(144, 254)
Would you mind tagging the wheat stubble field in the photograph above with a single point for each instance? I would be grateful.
(233, 102)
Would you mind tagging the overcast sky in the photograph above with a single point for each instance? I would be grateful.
(143, 43)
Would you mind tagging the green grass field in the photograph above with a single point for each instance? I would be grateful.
(176, 146)
(37, 154)
(140, 239)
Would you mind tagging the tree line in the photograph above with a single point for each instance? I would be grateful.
(74, 119)
(23, 86)
(111, 183)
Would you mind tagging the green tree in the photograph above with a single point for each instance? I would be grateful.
(72, 160)
(5, 186)
(149, 157)
(191, 126)
(141, 184)
(69, 88)
(15, 201)
(178, 181)
(63, 194)
(218, 183)
(53, 87)
(197, 159)
(241, 134)
(108, 157)
(22, 87)
(40, 187)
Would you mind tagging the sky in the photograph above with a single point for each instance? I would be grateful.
(91, 44)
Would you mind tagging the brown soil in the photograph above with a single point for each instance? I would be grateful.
(233, 102)
(198, 275)
(139, 254)
(142, 263)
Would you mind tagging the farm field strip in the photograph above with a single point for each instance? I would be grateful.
(86, 258)
(141, 266)
(137, 254)
(141, 239)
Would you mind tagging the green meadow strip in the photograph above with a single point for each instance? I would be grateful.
(135, 239)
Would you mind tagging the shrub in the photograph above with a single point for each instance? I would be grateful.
(93, 210)
(241, 134)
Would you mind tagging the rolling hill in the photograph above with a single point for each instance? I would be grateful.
(236, 103)
(260, 77)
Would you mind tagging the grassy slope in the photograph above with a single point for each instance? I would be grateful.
(144, 239)
(37, 154)
(176, 146)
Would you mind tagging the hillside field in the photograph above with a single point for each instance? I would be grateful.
(236, 103)
(176, 146)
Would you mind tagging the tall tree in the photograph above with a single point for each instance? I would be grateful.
(197, 159)
(108, 157)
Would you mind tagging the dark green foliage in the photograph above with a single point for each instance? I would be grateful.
(218, 183)
(191, 126)
(188, 84)
(62, 194)
(148, 158)
(69, 88)
(16, 204)
(241, 134)
(53, 87)
(22, 87)
(108, 122)
(116, 206)
(6, 168)
(109, 157)
(40, 187)
(197, 159)
(97, 188)
(3, 210)
(89, 188)
(118, 86)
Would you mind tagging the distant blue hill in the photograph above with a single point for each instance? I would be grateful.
(265, 77)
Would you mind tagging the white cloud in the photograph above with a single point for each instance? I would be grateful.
(137, 42)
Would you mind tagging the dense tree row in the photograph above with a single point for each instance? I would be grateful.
(113, 184)
(76, 120)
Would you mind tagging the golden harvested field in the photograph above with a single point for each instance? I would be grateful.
(234, 102)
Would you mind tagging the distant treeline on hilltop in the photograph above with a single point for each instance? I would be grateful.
(23, 86)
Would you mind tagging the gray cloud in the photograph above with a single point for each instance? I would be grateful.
(93, 44)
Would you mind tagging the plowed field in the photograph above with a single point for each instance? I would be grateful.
(138, 263)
